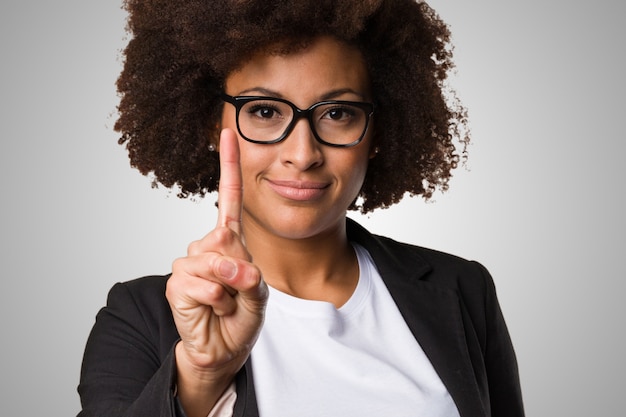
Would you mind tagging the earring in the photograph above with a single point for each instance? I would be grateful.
(212, 147)
(376, 150)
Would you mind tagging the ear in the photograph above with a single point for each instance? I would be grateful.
(214, 138)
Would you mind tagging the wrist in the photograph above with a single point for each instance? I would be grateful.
(200, 387)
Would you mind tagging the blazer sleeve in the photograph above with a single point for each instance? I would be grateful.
(129, 366)
(500, 361)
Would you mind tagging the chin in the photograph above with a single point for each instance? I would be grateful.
(300, 229)
(298, 224)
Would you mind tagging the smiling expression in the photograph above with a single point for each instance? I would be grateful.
(300, 188)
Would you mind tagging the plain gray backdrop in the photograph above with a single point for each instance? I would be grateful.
(540, 203)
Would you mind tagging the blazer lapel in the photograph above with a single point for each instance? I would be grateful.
(432, 313)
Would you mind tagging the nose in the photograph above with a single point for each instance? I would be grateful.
(300, 149)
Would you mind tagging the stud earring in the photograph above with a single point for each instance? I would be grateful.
(212, 147)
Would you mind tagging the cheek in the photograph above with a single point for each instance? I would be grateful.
(355, 169)
(255, 159)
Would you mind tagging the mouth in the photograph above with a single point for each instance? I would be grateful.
(299, 190)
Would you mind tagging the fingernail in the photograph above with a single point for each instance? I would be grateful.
(227, 269)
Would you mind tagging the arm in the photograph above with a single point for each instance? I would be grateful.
(500, 360)
(129, 365)
(216, 299)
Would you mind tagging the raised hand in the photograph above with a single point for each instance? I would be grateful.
(217, 297)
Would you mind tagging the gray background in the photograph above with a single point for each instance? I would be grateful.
(541, 202)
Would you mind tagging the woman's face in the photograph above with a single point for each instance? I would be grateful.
(300, 188)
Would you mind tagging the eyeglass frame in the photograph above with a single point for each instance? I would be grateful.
(239, 101)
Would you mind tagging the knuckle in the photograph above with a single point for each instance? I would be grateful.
(172, 287)
(222, 236)
(213, 292)
(179, 266)
(194, 247)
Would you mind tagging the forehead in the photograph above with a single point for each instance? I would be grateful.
(321, 66)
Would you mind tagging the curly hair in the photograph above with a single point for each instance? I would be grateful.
(181, 51)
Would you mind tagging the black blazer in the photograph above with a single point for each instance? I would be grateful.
(449, 304)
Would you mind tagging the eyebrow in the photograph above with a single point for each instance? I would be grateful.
(326, 96)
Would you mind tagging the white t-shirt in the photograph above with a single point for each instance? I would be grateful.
(313, 359)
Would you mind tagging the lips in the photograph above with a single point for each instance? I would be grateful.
(299, 190)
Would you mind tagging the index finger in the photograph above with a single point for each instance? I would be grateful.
(230, 191)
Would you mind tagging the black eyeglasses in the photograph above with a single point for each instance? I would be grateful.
(269, 120)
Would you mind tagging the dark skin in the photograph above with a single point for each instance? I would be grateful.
(182, 51)
(290, 233)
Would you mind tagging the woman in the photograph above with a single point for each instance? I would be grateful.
(287, 307)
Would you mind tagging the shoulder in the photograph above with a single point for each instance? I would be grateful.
(410, 262)
(148, 291)
(445, 270)
(433, 257)
(144, 297)
(140, 304)
(146, 287)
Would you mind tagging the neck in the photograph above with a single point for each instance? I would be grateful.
(321, 267)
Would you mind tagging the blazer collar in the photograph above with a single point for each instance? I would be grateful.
(392, 258)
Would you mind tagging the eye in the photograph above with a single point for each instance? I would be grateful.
(339, 113)
(263, 110)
